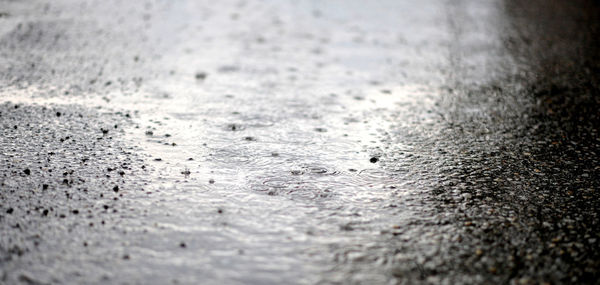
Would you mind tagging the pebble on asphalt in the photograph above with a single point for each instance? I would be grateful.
(201, 75)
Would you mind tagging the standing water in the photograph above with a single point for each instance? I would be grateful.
(263, 142)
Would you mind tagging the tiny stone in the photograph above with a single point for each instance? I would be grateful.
(201, 75)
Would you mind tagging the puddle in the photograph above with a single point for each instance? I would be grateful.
(292, 147)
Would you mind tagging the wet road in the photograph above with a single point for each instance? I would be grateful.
(281, 142)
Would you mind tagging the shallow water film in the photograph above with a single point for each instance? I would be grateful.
(299, 142)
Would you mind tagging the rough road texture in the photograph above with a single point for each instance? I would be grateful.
(275, 142)
(63, 174)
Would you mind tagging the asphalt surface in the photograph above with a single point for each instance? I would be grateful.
(283, 142)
